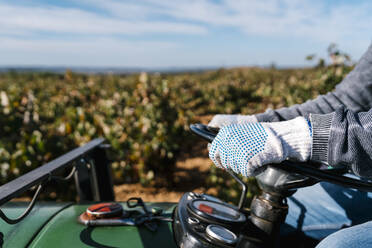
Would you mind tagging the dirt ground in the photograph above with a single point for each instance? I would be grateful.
(190, 174)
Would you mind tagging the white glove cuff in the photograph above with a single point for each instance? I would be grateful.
(246, 118)
(294, 136)
(224, 120)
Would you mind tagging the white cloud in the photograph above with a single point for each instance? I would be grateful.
(98, 31)
(310, 19)
(16, 19)
(81, 45)
(93, 52)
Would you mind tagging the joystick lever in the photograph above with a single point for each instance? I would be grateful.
(208, 134)
(243, 196)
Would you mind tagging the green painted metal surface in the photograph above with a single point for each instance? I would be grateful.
(22, 233)
(64, 231)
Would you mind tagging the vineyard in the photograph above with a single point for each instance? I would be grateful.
(144, 117)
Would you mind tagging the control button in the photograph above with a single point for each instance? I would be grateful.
(215, 210)
(221, 234)
(194, 195)
(199, 228)
(105, 210)
(156, 211)
(192, 220)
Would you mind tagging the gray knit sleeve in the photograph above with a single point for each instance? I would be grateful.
(354, 93)
(343, 137)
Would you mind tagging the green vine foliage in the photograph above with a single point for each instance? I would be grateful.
(144, 117)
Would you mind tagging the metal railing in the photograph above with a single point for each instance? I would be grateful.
(90, 169)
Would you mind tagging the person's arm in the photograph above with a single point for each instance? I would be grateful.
(354, 93)
(343, 137)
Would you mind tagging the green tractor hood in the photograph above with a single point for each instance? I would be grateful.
(55, 225)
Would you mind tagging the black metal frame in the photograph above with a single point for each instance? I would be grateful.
(90, 167)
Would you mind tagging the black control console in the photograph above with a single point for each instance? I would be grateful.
(201, 220)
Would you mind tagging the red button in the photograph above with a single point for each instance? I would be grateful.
(105, 210)
(206, 208)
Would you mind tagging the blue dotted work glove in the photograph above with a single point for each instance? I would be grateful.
(245, 148)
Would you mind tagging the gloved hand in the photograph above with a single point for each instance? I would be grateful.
(224, 120)
(245, 148)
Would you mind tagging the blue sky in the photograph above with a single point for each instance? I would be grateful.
(179, 33)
